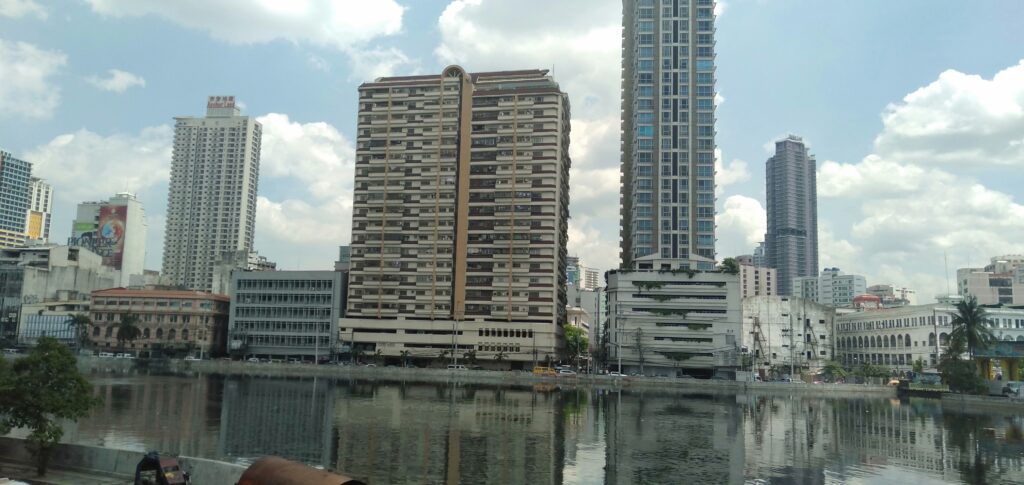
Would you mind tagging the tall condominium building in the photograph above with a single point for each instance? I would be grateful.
(15, 179)
(999, 282)
(460, 216)
(211, 204)
(792, 240)
(40, 209)
(116, 230)
(668, 133)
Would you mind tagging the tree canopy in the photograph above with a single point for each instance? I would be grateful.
(970, 327)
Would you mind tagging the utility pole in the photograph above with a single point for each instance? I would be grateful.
(640, 349)
(455, 358)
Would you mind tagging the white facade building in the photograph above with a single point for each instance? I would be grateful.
(40, 210)
(116, 230)
(890, 296)
(831, 288)
(758, 280)
(211, 203)
(667, 323)
(1001, 281)
(788, 332)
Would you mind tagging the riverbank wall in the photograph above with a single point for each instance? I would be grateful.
(970, 403)
(501, 378)
(116, 463)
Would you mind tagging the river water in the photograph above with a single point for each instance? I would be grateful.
(394, 432)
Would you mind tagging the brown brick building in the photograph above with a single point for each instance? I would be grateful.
(171, 322)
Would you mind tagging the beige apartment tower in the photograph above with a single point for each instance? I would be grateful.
(460, 218)
(211, 203)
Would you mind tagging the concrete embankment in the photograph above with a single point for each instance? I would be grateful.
(509, 378)
(107, 463)
(969, 403)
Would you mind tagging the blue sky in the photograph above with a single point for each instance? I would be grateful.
(915, 110)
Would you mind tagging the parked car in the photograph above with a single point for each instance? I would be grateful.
(566, 372)
(616, 374)
(192, 358)
(106, 355)
(544, 371)
(253, 360)
(125, 355)
(10, 351)
(456, 367)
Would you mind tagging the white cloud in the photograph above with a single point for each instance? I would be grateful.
(27, 73)
(726, 175)
(740, 225)
(316, 154)
(958, 119)
(323, 22)
(302, 224)
(87, 166)
(116, 81)
(20, 8)
(318, 63)
(371, 63)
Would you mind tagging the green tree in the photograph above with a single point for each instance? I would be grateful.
(378, 356)
(833, 371)
(872, 370)
(127, 330)
(470, 357)
(80, 324)
(919, 365)
(500, 356)
(575, 342)
(44, 389)
(405, 358)
(961, 376)
(730, 265)
(970, 328)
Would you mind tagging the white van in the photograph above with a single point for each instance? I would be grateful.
(457, 367)
(107, 355)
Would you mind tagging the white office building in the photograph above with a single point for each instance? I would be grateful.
(787, 332)
(211, 203)
(831, 288)
(115, 229)
(1001, 281)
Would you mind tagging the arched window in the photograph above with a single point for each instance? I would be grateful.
(145, 333)
(171, 334)
(159, 333)
(892, 340)
(885, 342)
(184, 334)
(906, 340)
(931, 339)
(1020, 338)
(944, 339)
(860, 342)
(110, 331)
(95, 331)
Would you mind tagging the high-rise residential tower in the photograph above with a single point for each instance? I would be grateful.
(115, 229)
(211, 203)
(15, 180)
(791, 244)
(668, 133)
(40, 209)
(460, 217)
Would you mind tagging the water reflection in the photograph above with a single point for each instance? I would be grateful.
(395, 432)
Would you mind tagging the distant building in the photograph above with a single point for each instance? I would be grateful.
(580, 318)
(787, 332)
(665, 323)
(896, 337)
(172, 323)
(50, 319)
(890, 296)
(344, 262)
(211, 201)
(285, 314)
(791, 244)
(46, 274)
(757, 280)
(116, 230)
(831, 288)
(233, 261)
(40, 210)
(1001, 281)
(591, 279)
(572, 271)
(759, 259)
(15, 180)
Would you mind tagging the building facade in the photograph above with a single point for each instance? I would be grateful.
(1001, 281)
(171, 322)
(665, 323)
(211, 202)
(668, 132)
(757, 280)
(40, 210)
(460, 216)
(890, 296)
(288, 315)
(791, 244)
(116, 230)
(787, 333)
(50, 319)
(831, 288)
(15, 181)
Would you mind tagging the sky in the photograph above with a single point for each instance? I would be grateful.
(914, 110)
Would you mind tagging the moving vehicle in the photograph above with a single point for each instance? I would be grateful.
(566, 372)
(154, 469)
(253, 360)
(456, 367)
(616, 374)
(106, 355)
(544, 371)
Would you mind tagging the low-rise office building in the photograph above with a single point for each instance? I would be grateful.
(831, 288)
(285, 314)
(171, 322)
(50, 319)
(897, 337)
(788, 333)
(1001, 281)
(672, 322)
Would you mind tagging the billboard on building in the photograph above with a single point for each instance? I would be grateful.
(105, 238)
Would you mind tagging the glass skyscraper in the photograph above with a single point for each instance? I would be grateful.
(15, 177)
(668, 134)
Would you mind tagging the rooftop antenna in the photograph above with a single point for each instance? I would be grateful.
(945, 257)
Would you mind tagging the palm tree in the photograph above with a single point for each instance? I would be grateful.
(500, 356)
(405, 358)
(127, 330)
(833, 371)
(81, 324)
(970, 328)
